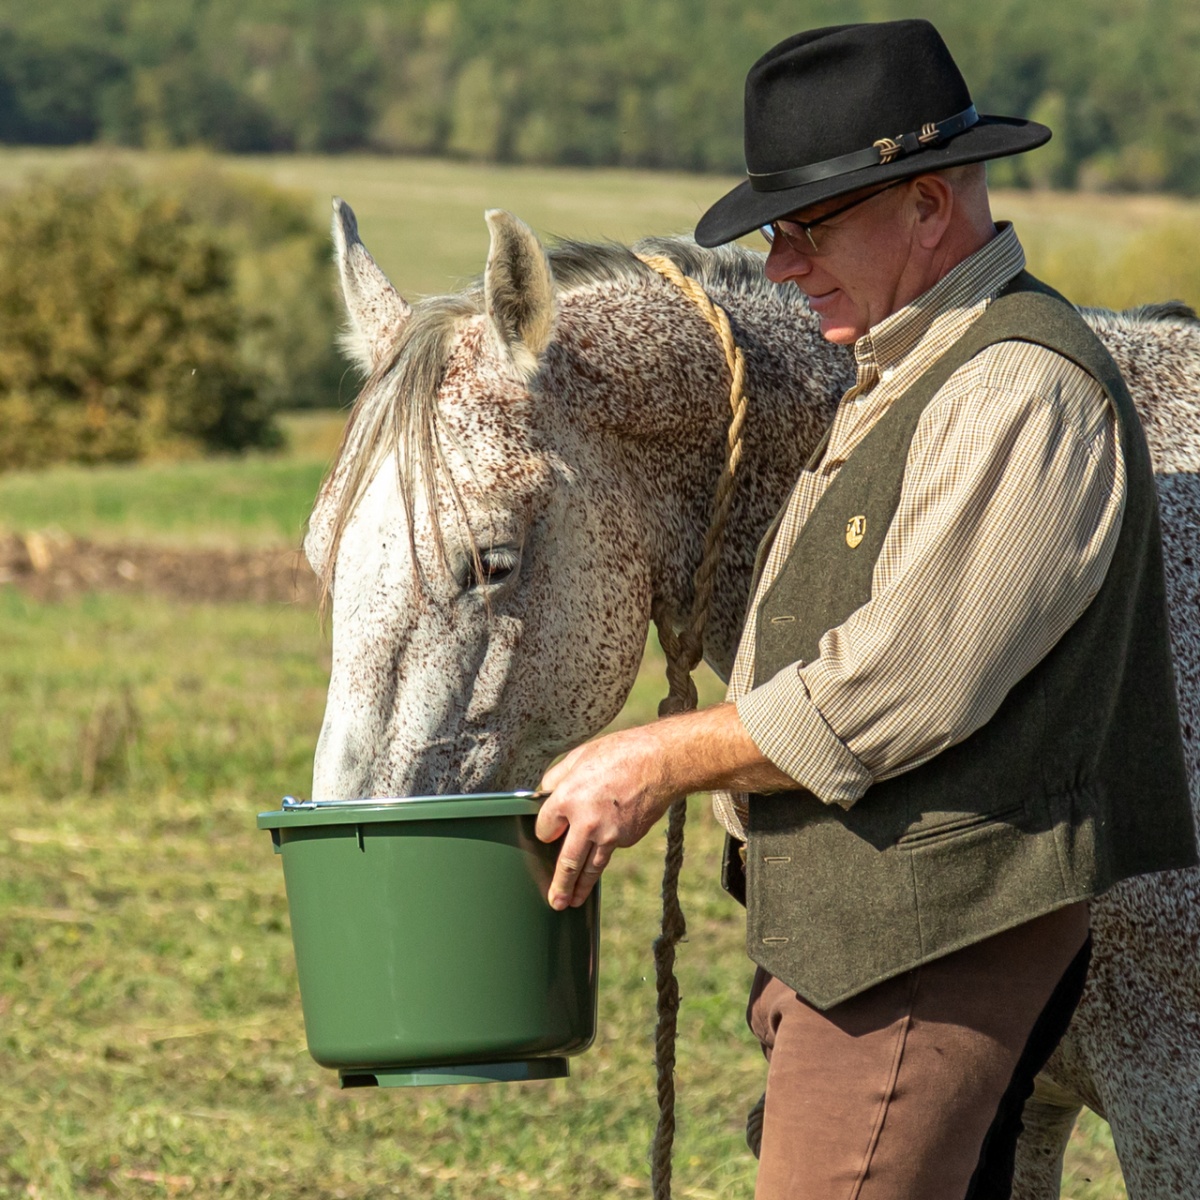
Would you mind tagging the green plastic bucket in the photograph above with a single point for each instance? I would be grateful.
(425, 948)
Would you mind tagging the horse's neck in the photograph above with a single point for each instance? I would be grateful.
(794, 381)
(671, 409)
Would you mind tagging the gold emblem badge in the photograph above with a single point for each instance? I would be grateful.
(856, 530)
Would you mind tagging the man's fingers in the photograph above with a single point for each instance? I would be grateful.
(550, 824)
(573, 858)
(552, 777)
(555, 775)
(590, 875)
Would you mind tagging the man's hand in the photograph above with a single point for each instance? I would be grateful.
(609, 792)
(604, 794)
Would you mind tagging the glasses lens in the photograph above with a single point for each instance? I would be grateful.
(798, 236)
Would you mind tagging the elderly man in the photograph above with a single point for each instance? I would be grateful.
(952, 716)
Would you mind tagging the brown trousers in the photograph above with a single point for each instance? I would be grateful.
(913, 1089)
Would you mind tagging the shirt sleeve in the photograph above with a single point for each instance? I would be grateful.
(1006, 525)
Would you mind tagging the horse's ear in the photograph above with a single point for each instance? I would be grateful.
(518, 288)
(376, 310)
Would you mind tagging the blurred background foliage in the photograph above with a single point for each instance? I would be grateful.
(653, 83)
(161, 317)
(170, 306)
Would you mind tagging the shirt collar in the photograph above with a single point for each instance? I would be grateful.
(950, 302)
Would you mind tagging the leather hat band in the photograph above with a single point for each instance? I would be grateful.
(885, 150)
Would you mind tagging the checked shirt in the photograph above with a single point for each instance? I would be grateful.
(1012, 500)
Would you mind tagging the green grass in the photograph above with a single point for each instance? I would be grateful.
(151, 1029)
(249, 501)
(150, 1035)
(1091, 1171)
(146, 697)
(214, 502)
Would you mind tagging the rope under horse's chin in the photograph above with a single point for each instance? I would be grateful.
(683, 649)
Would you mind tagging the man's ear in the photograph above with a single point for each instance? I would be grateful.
(934, 199)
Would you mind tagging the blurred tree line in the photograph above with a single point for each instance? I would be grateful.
(652, 83)
(158, 318)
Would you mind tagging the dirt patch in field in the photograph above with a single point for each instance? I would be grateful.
(54, 566)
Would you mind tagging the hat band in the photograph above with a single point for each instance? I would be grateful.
(885, 150)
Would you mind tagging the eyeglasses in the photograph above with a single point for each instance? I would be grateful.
(799, 234)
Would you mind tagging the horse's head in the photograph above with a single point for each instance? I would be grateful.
(489, 579)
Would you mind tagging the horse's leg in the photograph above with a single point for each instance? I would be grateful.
(1048, 1117)
(1133, 1050)
(1157, 1133)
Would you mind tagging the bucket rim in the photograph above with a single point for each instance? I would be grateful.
(294, 813)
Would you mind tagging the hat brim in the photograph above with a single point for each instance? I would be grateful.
(743, 209)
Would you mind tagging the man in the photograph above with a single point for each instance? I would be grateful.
(952, 714)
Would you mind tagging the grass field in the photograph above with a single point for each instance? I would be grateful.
(149, 1025)
(255, 501)
(423, 219)
(151, 1037)
(199, 503)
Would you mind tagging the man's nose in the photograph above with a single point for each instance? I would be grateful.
(784, 262)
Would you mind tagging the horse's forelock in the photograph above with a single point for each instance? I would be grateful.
(396, 414)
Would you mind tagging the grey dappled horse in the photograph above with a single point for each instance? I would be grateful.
(530, 466)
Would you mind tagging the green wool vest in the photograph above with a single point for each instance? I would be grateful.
(1076, 782)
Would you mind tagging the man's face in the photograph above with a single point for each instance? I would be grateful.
(852, 279)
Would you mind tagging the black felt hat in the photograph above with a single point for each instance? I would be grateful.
(837, 109)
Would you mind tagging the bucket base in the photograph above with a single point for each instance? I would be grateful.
(505, 1072)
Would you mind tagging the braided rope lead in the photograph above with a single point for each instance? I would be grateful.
(683, 649)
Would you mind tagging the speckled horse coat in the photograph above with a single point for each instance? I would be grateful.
(530, 465)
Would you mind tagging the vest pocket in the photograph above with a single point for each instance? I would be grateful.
(961, 824)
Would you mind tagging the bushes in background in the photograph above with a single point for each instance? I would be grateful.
(156, 320)
(282, 276)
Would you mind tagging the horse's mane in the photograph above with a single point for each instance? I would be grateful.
(1174, 312)
(396, 412)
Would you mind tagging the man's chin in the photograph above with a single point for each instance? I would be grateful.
(828, 307)
(838, 332)
(833, 323)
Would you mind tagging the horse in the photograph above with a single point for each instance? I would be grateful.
(528, 471)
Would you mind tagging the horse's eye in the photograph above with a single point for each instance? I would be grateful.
(494, 567)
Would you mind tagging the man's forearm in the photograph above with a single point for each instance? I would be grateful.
(711, 749)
